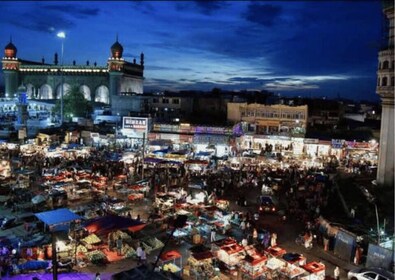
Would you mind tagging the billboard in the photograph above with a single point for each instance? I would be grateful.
(135, 127)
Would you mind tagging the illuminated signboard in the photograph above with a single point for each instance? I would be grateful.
(135, 123)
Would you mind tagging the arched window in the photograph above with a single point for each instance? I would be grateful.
(384, 82)
(392, 81)
(392, 64)
(385, 64)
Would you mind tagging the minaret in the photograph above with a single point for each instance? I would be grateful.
(115, 68)
(385, 89)
(10, 65)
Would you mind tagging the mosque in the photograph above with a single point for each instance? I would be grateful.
(110, 85)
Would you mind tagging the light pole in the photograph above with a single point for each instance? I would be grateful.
(62, 36)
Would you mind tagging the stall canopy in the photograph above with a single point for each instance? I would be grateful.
(57, 217)
(106, 224)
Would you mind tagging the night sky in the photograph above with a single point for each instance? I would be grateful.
(312, 48)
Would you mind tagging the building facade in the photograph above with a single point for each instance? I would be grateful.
(98, 83)
(385, 89)
(270, 119)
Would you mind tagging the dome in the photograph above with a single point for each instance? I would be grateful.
(10, 50)
(22, 88)
(116, 50)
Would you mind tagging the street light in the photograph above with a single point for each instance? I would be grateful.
(62, 36)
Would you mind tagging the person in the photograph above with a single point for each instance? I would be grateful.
(352, 213)
(119, 246)
(139, 251)
(336, 273)
(308, 239)
(97, 276)
(213, 234)
(143, 256)
(273, 240)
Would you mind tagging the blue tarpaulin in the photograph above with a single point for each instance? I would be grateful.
(57, 217)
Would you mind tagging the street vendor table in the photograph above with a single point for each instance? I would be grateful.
(316, 270)
(168, 261)
(291, 271)
(295, 258)
(275, 251)
(273, 266)
(253, 265)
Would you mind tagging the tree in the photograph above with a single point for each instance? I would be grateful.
(74, 104)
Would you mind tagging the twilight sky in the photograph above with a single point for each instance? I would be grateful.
(309, 48)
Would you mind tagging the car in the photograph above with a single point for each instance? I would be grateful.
(370, 274)
(267, 204)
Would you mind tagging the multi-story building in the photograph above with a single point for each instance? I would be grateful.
(270, 119)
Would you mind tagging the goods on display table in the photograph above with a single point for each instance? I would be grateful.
(275, 251)
(253, 265)
(200, 263)
(290, 271)
(295, 258)
(91, 239)
(230, 253)
(273, 265)
(316, 270)
(135, 196)
(171, 261)
(96, 257)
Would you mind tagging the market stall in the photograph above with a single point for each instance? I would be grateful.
(275, 251)
(316, 270)
(253, 265)
(200, 263)
(171, 261)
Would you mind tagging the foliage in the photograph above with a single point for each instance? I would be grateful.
(74, 104)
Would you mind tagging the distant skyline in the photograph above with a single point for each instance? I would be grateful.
(308, 48)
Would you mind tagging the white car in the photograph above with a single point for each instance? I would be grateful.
(370, 274)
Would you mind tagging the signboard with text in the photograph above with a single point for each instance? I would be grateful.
(135, 126)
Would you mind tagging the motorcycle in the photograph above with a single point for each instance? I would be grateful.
(300, 240)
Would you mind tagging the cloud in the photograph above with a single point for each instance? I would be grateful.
(73, 10)
(47, 18)
(205, 7)
(263, 14)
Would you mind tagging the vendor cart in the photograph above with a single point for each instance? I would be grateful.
(275, 251)
(290, 271)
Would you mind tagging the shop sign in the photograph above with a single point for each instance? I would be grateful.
(311, 141)
(337, 143)
(361, 145)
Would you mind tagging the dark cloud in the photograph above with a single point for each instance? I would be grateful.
(43, 22)
(206, 7)
(263, 14)
(143, 6)
(73, 10)
(49, 18)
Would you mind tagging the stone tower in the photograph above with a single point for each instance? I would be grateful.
(385, 89)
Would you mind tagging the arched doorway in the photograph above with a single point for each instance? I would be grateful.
(66, 88)
(102, 94)
(86, 91)
(45, 92)
(30, 91)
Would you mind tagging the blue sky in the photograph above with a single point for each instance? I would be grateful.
(310, 48)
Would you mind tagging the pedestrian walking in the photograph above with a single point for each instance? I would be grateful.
(273, 240)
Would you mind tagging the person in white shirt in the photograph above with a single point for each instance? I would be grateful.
(139, 252)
